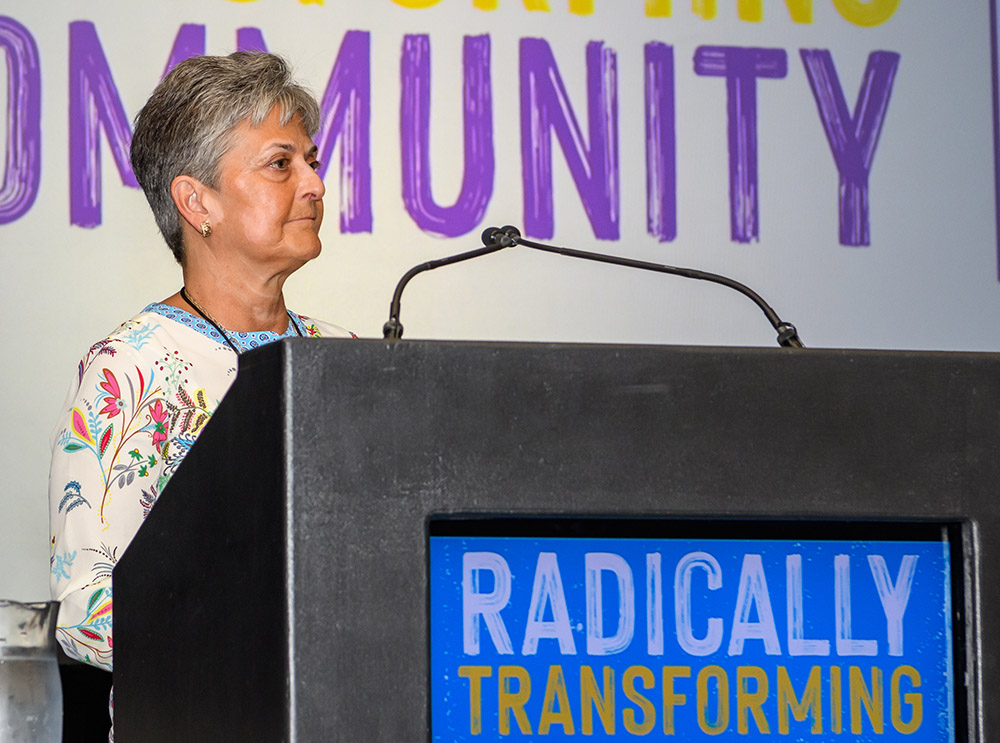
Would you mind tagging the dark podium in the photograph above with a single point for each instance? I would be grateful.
(278, 590)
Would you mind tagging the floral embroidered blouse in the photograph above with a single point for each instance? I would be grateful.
(140, 399)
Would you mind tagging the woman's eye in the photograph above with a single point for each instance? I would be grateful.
(315, 165)
(280, 164)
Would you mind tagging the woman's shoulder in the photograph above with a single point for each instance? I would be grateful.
(153, 337)
(321, 329)
(127, 339)
(133, 335)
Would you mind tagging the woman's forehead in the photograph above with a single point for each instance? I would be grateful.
(272, 133)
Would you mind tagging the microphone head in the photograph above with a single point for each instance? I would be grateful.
(510, 231)
(491, 235)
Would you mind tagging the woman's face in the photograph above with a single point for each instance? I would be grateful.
(268, 207)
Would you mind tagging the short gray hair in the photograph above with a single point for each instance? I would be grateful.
(186, 125)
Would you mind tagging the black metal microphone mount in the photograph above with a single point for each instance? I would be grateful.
(498, 238)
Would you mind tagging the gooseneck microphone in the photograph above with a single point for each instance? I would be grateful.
(498, 238)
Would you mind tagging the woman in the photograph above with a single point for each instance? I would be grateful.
(224, 154)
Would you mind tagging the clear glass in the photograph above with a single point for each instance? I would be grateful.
(30, 690)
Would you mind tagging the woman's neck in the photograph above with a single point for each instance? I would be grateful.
(240, 308)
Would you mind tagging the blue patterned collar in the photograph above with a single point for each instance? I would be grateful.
(245, 341)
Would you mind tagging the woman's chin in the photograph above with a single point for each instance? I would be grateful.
(304, 250)
(316, 250)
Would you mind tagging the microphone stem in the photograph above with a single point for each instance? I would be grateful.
(497, 239)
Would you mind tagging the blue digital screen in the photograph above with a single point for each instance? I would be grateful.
(602, 638)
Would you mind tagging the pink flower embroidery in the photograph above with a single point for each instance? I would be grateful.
(113, 404)
(159, 414)
(80, 426)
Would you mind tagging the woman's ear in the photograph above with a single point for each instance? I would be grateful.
(189, 195)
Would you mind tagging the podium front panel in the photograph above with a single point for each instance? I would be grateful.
(279, 588)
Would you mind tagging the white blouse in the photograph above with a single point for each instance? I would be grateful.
(140, 399)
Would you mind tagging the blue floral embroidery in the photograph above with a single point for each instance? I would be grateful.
(60, 563)
(72, 498)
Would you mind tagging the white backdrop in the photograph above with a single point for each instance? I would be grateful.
(926, 280)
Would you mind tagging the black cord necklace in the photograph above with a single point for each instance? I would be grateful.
(214, 323)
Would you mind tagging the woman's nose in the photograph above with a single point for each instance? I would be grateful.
(312, 185)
